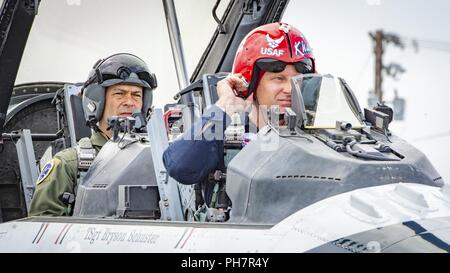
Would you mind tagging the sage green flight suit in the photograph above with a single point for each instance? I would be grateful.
(58, 176)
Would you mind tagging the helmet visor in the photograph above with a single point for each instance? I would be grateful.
(121, 68)
(305, 66)
(143, 79)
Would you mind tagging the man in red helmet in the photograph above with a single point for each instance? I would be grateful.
(268, 57)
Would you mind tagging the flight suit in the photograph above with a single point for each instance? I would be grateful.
(59, 175)
(192, 159)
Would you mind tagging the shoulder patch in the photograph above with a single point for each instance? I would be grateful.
(45, 171)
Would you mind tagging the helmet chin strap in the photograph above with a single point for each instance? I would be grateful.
(255, 84)
(104, 134)
(258, 109)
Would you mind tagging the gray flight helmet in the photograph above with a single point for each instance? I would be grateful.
(121, 68)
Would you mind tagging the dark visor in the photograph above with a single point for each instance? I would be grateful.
(143, 76)
(122, 68)
(305, 66)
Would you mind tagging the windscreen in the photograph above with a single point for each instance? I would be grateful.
(326, 101)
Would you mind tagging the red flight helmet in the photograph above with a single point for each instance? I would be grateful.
(270, 48)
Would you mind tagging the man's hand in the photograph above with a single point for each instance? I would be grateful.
(227, 90)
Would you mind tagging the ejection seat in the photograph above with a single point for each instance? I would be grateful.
(75, 121)
(71, 120)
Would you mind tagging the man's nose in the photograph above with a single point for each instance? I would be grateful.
(129, 101)
(287, 88)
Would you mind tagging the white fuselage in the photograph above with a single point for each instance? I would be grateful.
(325, 221)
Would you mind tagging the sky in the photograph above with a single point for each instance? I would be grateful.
(69, 36)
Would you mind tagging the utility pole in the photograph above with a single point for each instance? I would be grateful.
(381, 39)
(378, 38)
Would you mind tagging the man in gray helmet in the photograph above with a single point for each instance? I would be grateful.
(117, 86)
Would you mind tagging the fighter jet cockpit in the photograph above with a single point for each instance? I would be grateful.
(318, 171)
(331, 145)
(327, 144)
